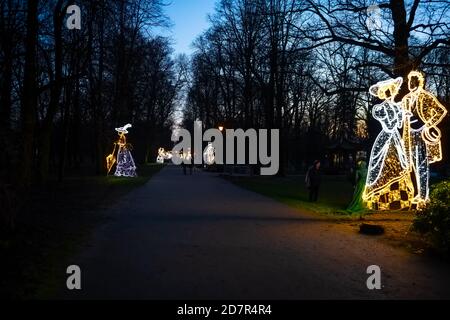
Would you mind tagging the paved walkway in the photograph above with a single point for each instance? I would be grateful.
(201, 237)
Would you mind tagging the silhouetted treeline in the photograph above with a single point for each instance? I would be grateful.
(305, 67)
(300, 66)
(63, 92)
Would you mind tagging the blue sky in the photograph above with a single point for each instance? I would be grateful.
(189, 19)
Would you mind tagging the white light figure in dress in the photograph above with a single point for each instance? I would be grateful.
(388, 183)
(209, 154)
(125, 162)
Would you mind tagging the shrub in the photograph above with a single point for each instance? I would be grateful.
(434, 219)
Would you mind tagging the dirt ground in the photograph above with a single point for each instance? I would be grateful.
(397, 230)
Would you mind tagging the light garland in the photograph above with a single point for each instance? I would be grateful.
(125, 163)
(398, 173)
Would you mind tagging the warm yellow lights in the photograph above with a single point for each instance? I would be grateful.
(398, 173)
(111, 160)
(163, 155)
(424, 109)
(209, 156)
(125, 163)
(186, 156)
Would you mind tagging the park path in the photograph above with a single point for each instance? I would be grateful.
(201, 237)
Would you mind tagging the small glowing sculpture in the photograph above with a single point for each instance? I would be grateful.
(186, 156)
(161, 156)
(398, 173)
(209, 154)
(125, 163)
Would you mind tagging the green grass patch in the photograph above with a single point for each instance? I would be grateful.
(335, 193)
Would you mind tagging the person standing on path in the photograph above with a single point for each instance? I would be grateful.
(313, 179)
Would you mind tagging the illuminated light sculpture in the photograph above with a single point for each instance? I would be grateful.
(388, 184)
(186, 156)
(398, 172)
(111, 160)
(161, 156)
(125, 163)
(421, 135)
(209, 154)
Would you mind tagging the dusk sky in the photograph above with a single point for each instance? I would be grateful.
(189, 18)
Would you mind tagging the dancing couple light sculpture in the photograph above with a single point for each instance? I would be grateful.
(125, 163)
(398, 172)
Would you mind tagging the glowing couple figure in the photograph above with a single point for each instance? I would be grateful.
(398, 172)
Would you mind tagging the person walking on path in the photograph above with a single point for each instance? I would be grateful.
(313, 179)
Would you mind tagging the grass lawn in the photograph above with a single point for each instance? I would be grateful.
(52, 224)
(335, 194)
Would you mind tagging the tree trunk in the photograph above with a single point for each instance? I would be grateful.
(7, 71)
(96, 97)
(46, 130)
(30, 96)
(402, 61)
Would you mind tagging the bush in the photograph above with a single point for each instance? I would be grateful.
(434, 219)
